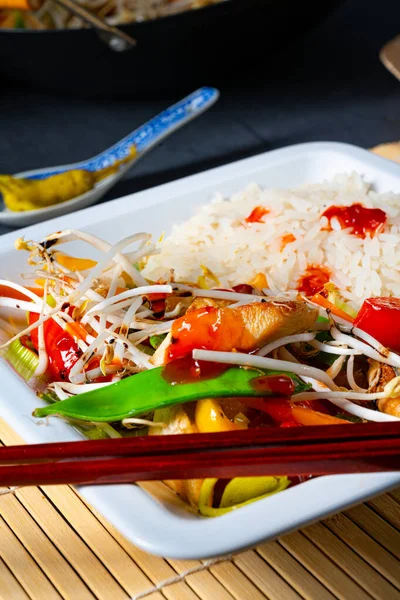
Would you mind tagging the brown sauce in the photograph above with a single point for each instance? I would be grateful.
(188, 370)
(273, 384)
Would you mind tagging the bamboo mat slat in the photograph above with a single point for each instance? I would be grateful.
(22, 565)
(387, 508)
(53, 545)
(205, 584)
(264, 576)
(306, 585)
(395, 494)
(351, 563)
(105, 549)
(39, 546)
(315, 561)
(366, 547)
(157, 569)
(238, 584)
(9, 586)
(74, 550)
(376, 527)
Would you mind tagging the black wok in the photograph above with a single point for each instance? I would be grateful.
(199, 47)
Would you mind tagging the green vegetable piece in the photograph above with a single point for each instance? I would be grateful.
(322, 319)
(96, 431)
(143, 393)
(49, 397)
(50, 301)
(239, 492)
(348, 417)
(164, 415)
(157, 340)
(325, 357)
(23, 360)
(324, 336)
(145, 349)
(335, 298)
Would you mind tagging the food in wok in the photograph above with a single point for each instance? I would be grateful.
(35, 14)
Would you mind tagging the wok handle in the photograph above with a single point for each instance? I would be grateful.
(118, 40)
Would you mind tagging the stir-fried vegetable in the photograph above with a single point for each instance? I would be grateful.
(380, 317)
(157, 340)
(239, 492)
(335, 298)
(210, 417)
(327, 305)
(24, 360)
(37, 15)
(305, 416)
(117, 354)
(62, 350)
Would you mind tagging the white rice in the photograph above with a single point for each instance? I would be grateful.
(217, 237)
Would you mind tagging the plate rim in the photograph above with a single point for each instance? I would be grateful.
(217, 174)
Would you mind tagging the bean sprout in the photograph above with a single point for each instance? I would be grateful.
(330, 349)
(336, 367)
(289, 339)
(350, 377)
(391, 359)
(250, 360)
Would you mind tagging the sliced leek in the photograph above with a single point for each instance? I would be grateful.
(239, 492)
(23, 360)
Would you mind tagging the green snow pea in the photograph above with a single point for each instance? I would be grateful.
(143, 393)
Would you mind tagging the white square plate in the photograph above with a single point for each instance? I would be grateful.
(161, 525)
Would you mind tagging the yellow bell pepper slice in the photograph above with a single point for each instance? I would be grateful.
(210, 417)
(208, 279)
(72, 263)
(259, 281)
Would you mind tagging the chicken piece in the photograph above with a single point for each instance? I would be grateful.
(176, 306)
(202, 302)
(187, 489)
(359, 373)
(379, 375)
(243, 328)
(390, 406)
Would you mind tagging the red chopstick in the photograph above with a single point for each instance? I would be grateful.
(317, 450)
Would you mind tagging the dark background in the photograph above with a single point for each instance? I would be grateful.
(329, 86)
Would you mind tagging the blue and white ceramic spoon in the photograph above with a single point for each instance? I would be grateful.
(144, 138)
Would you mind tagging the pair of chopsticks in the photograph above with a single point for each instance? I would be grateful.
(317, 450)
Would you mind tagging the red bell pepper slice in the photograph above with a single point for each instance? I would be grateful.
(62, 349)
(380, 317)
(280, 409)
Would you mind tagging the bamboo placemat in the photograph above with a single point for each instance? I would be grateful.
(53, 545)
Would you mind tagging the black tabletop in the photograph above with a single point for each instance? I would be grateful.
(330, 87)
